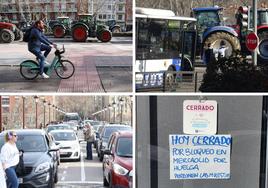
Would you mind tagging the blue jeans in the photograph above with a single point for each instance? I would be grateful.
(89, 150)
(40, 56)
(12, 179)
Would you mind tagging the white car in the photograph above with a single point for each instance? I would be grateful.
(68, 144)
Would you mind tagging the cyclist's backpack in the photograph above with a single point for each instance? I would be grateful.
(27, 34)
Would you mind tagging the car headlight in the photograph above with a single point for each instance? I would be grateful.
(42, 167)
(119, 169)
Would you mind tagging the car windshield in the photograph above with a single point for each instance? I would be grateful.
(58, 127)
(110, 130)
(64, 136)
(29, 143)
(124, 147)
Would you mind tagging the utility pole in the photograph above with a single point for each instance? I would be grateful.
(254, 53)
(1, 128)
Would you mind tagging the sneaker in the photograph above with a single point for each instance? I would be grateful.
(44, 75)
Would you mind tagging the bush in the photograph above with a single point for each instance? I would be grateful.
(234, 74)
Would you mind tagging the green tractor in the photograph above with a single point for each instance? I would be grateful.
(60, 27)
(86, 26)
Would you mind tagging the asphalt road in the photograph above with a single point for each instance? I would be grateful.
(99, 67)
(86, 173)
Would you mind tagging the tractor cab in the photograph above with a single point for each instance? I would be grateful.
(86, 18)
(207, 17)
(64, 20)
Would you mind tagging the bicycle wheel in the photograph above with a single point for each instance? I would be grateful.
(64, 69)
(29, 69)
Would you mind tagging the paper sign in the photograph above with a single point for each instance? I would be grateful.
(200, 156)
(199, 117)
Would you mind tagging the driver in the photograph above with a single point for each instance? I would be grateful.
(39, 42)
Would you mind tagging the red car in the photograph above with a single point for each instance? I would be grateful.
(117, 163)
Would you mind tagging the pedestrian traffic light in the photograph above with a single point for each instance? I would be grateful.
(243, 19)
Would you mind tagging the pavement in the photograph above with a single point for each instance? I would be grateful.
(99, 67)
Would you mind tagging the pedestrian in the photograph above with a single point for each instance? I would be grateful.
(38, 42)
(89, 136)
(209, 54)
(222, 50)
(2, 177)
(10, 159)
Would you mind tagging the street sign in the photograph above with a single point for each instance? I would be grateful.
(252, 41)
(199, 117)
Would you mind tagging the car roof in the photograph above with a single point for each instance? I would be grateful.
(26, 132)
(123, 133)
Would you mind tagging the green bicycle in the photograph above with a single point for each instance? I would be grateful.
(29, 69)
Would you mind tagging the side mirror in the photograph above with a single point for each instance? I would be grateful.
(107, 152)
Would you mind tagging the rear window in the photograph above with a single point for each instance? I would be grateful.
(124, 147)
(64, 136)
(109, 130)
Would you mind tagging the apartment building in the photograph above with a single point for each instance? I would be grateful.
(17, 11)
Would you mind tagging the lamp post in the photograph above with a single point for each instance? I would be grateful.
(23, 112)
(114, 105)
(1, 128)
(49, 112)
(44, 102)
(36, 112)
(109, 107)
(121, 102)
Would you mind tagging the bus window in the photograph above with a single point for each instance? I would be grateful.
(189, 43)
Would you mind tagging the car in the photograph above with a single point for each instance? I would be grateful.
(40, 158)
(106, 133)
(118, 163)
(59, 127)
(68, 144)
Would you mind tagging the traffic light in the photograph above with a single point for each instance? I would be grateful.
(243, 19)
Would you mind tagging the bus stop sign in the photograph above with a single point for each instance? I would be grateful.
(252, 41)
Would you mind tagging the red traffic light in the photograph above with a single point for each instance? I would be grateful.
(243, 9)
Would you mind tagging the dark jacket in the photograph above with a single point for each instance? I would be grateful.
(37, 38)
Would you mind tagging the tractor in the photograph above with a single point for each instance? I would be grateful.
(9, 32)
(60, 27)
(113, 26)
(86, 27)
(211, 31)
(244, 26)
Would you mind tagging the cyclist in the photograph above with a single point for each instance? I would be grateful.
(39, 42)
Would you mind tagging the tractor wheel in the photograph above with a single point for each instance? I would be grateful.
(58, 31)
(231, 42)
(263, 47)
(116, 30)
(79, 33)
(18, 35)
(104, 36)
(7, 36)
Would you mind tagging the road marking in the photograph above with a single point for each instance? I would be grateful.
(83, 173)
(79, 182)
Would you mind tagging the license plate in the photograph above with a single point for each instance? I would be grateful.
(20, 180)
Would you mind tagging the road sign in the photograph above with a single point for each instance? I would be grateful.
(252, 41)
(200, 117)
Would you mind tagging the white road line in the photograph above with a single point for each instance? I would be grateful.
(83, 173)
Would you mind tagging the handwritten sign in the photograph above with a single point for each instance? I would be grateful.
(200, 156)
(199, 117)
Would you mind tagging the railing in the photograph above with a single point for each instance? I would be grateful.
(169, 81)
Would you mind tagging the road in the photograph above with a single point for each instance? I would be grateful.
(99, 67)
(86, 173)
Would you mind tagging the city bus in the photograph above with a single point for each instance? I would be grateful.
(164, 42)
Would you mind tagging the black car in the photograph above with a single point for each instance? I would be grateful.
(40, 158)
(105, 135)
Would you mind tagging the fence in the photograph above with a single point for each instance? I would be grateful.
(169, 81)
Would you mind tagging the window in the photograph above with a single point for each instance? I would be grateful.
(109, 7)
(120, 17)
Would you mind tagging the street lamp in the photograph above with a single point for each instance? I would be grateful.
(44, 103)
(109, 107)
(49, 112)
(114, 105)
(36, 113)
(121, 102)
